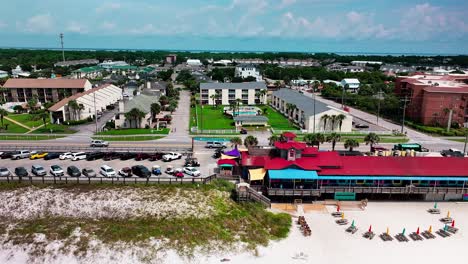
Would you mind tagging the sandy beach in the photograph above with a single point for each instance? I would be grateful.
(329, 242)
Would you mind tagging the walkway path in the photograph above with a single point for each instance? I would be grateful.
(180, 121)
(17, 123)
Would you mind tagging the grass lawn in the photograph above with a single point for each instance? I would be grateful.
(129, 138)
(277, 120)
(135, 131)
(27, 137)
(56, 129)
(13, 128)
(213, 118)
(27, 120)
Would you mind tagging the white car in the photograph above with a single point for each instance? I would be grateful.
(56, 170)
(192, 171)
(66, 155)
(172, 156)
(107, 171)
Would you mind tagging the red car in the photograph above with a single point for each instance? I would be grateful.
(178, 173)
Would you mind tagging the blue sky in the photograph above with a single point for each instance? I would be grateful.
(387, 26)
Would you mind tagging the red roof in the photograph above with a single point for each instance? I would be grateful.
(310, 151)
(253, 161)
(227, 161)
(290, 145)
(444, 89)
(279, 163)
(289, 135)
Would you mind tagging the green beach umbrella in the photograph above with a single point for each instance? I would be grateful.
(404, 230)
(435, 205)
(352, 224)
(446, 227)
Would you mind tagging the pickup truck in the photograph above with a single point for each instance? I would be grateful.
(22, 154)
(172, 156)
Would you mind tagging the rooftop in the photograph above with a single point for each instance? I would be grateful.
(142, 102)
(46, 83)
(302, 102)
(65, 101)
(350, 80)
(243, 85)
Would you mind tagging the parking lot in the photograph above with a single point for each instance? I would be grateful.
(207, 164)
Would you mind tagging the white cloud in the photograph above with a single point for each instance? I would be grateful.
(146, 29)
(108, 7)
(76, 27)
(40, 24)
(286, 3)
(106, 25)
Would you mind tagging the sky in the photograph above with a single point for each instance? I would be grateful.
(367, 26)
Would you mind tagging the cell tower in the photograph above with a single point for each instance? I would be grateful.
(63, 51)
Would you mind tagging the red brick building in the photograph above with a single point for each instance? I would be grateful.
(430, 98)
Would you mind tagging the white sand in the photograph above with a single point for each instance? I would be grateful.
(329, 242)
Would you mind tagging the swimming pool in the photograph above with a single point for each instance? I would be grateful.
(243, 111)
(246, 113)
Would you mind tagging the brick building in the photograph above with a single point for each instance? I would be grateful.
(431, 98)
(45, 90)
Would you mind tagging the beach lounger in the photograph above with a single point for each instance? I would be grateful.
(336, 214)
(443, 233)
(369, 235)
(433, 211)
(446, 220)
(385, 237)
(428, 235)
(342, 221)
(452, 230)
(416, 237)
(351, 229)
(401, 238)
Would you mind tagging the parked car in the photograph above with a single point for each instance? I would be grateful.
(56, 170)
(125, 172)
(156, 156)
(192, 162)
(141, 171)
(78, 156)
(107, 171)
(192, 171)
(6, 155)
(21, 172)
(66, 155)
(52, 155)
(142, 156)
(73, 171)
(95, 155)
(452, 152)
(39, 155)
(38, 170)
(178, 173)
(169, 170)
(361, 126)
(243, 131)
(4, 172)
(156, 170)
(127, 156)
(217, 154)
(99, 143)
(111, 156)
(215, 144)
(22, 154)
(88, 172)
(172, 156)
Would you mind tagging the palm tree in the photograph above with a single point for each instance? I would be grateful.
(324, 119)
(135, 114)
(3, 113)
(44, 115)
(72, 108)
(351, 143)
(333, 122)
(257, 96)
(314, 139)
(218, 97)
(309, 139)
(155, 109)
(250, 141)
(263, 93)
(371, 139)
(340, 118)
(333, 138)
(79, 109)
(236, 141)
(213, 97)
(232, 106)
(319, 139)
(238, 102)
(273, 139)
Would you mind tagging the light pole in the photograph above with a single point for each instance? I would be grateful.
(378, 105)
(466, 137)
(95, 112)
(404, 112)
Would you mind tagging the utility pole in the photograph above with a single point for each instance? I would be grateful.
(466, 137)
(379, 97)
(63, 51)
(313, 92)
(95, 112)
(449, 122)
(404, 112)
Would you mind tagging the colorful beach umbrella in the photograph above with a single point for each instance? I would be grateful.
(352, 224)
(404, 231)
(448, 214)
(388, 231)
(445, 227)
(453, 223)
(338, 208)
(430, 229)
(435, 205)
(417, 231)
(342, 215)
(370, 228)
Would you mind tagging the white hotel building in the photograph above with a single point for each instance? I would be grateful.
(229, 92)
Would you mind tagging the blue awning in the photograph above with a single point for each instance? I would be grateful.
(292, 174)
(389, 178)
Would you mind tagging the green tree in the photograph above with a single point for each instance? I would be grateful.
(236, 141)
(213, 98)
(32, 103)
(324, 119)
(3, 113)
(44, 116)
(250, 141)
(351, 143)
(333, 138)
(18, 109)
(372, 139)
(340, 118)
(136, 115)
(73, 108)
(314, 139)
(273, 139)
(163, 100)
(238, 102)
(333, 120)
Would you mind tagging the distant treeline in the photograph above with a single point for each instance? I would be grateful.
(9, 58)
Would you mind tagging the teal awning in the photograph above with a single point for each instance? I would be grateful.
(292, 174)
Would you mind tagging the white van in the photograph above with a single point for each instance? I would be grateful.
(107, 171)
(78, 156)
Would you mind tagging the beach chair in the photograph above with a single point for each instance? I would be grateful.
(342, 221)
(352, 229)
(434, 211)
(386, 237)
(443, 233)
(336, 214)
(416, 237)
(428, 235)
(369, 235)
(401, 238)
(446, 220)
(452, 230)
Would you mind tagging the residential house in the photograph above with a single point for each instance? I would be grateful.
(247, 70)
(351, 84)
(143, 103)
(171, 59)
(3, 74)
(92, 72)
(76, 62)
(229, 92)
